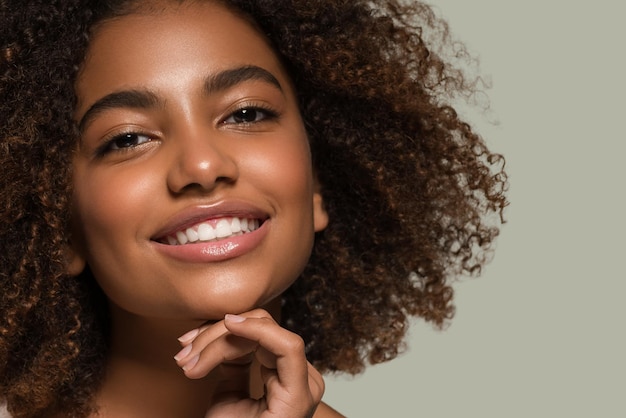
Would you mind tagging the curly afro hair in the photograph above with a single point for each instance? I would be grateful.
(414, 196)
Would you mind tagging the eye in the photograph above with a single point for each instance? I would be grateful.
(249, 115)
(127, 140)
(122, 142)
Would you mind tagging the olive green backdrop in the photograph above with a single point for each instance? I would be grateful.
(541, 333)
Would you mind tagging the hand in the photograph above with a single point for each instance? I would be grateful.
(293, 388)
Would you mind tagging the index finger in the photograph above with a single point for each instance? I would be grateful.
(279, 348)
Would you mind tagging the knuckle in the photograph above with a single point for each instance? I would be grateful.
(195, 373)
(260, 313)
(294, 343)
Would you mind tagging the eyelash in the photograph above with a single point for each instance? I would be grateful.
(265, 113)
(109, 143)
(268, 113)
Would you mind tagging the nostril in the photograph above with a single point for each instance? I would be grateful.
(200, 165)
(224, 179)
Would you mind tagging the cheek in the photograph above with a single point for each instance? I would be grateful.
(111, 206)
(284, 172)
(108, 201)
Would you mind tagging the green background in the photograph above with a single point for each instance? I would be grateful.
(541, 333)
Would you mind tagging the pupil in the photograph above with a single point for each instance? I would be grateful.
(246, 115)
(127, 140)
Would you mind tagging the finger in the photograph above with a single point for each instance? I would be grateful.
(227, 349)
(278, 348)
(188, 337)
(210, 345)
(202, 336)
(316, 383)
(196, 340)
(215, 328)
(315, 380)
(230, 404)
(293, 387)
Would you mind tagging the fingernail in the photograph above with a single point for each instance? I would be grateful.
(183, 353)
(191, 363)
(189, 336)
(234, 318)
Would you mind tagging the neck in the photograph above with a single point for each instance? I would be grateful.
(142, 378)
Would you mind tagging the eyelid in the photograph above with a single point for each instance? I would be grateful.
(106, 142)
(270, 111)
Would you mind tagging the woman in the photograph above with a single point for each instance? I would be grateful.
(243, 186)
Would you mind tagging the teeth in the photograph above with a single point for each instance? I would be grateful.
(191, 235)
(222, 229)
(182, 237)
(205, 232)
(235, 225)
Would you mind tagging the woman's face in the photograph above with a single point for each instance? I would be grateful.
(193, 187)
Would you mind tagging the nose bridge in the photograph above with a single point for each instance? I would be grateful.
(200, 160)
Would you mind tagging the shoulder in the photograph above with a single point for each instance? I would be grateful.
(325, 411)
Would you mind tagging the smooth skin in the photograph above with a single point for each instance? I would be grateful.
(187, 116)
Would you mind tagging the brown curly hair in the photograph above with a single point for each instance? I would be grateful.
(414, 196)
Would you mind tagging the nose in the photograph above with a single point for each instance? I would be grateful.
(200, 161)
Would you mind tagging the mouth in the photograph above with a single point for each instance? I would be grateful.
(212, 230)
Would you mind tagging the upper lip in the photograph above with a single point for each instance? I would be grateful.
(200, 213)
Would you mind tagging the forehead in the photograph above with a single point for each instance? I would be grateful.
(182, 39)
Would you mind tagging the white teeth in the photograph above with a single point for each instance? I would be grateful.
(205, 232)
(182, 237)
(222, 229)
(235, 225)
(191, 235)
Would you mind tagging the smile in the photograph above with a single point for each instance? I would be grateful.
(212, 231)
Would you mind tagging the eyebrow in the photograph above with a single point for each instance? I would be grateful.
(145, 99)
(133, 99)
(229, 78)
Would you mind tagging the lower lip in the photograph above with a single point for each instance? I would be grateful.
(214, 251)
